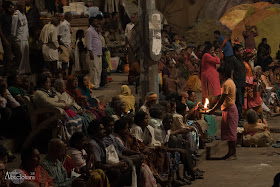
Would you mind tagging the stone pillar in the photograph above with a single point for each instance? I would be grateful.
(150, 50)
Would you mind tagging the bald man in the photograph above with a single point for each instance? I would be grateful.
(56, 150)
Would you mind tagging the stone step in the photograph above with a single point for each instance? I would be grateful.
(214, 147)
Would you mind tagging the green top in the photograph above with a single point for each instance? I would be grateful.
(190, 104)
(57, 172)
(212, 125)
(15, 91)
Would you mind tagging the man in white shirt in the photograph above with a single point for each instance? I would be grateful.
(129, 27)
(64, 34)
(21, 33)
(65, 30)
(50, 46)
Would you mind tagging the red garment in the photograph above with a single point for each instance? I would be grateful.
(70, 112)
(229, 123)
(188, 57)
(254, 99)
(249, 39)
(210, 82)
(68, 165)
(41, 177)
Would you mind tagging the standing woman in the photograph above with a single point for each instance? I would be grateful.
(81, 63)
(209, 76)
(230, 114)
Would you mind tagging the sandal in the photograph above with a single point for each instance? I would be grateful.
(231, 158)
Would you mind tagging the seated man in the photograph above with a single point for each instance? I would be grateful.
(175, 143)
(82, 157)
(118, 173)
(111, 139)
(56, 150)
(180, 122)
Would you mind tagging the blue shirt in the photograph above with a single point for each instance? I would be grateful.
(57, 172)
(111, 139)
(98, 150)
(227, 49)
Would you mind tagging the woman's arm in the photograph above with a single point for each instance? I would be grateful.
(209, 58)
(42, 100)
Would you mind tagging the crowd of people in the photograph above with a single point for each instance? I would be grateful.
(103, 146)
(119, 144)
(249, 71)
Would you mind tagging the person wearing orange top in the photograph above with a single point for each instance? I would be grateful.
(229, 111)
(30, 165)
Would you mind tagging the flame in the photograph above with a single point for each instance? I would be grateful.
(206, 103)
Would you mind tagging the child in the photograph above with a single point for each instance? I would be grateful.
(80, 65)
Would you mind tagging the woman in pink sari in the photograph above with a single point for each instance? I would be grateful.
(210, 81)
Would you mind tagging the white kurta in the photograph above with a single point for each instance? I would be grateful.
(49, 39)
(128, 28)
(21, 34)
(65, 33)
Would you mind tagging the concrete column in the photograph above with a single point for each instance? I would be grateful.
(149, 68)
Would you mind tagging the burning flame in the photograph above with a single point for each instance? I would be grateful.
(206, 103)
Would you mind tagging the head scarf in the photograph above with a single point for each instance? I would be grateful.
(125, 90)
(128, 98)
